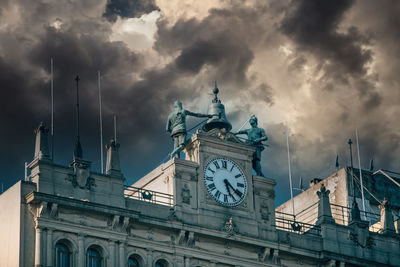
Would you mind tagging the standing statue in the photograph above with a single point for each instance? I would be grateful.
(255, 137)
(176, 126)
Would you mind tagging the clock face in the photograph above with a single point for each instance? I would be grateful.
(225, 181)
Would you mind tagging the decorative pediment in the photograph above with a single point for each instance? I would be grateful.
(224, 135)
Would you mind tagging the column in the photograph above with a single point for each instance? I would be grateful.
(122, 262)
(50, 247)
(111, 246)
(187, 262)
(149, 257)
(38, 248)
(81, 250)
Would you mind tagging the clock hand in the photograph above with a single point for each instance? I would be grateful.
(235, 190)
(227, 187)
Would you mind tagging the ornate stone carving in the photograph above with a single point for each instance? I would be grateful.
(230, 227)
(125, 224)
(181, 237)
(264, 210)
(190, 241)
(172, 215)
(54, 210)
(81, 175)
(114, 222)
(186, 194)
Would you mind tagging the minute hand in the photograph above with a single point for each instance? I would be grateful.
(235, 190)
(227, 187)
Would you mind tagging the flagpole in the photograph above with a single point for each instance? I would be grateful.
(101, 125)
(361, 179)
(52, 111)
(290, 172)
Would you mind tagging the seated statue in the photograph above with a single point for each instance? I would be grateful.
(176, 126)
(255, 137)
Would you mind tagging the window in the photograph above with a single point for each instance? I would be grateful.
(93, 258)
(132, 262)
(161, 263)
(63, 255)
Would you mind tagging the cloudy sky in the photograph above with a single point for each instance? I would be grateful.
(318, 69)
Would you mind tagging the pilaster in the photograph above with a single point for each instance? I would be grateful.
(38, 247)
(50, 249)
(81, 250)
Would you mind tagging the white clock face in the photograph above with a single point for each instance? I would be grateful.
(225, 181)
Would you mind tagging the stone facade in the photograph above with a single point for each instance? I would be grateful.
(169, 218)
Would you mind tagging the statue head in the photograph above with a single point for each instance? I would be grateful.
(253, 120)
(177, 105)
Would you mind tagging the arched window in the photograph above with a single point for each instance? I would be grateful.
(93, 258)
(161, 263)
(132, 262)
(63, 255)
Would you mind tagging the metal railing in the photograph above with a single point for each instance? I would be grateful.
(148, 195)
(307, 218)
(288, 222)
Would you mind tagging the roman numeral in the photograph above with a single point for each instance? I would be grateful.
(217, 194)
(224, 164)
(211, 186)
(216, 165)
(232, 167)
(210, 170)
(225, 198)
(240, 185)
(208, 178)
(233, 198)
(238, 193)
(237, 176)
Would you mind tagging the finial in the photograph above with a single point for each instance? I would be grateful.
(215, 92)
(41, 144)
(113, 163)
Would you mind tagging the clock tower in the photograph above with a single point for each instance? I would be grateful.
(213, 187)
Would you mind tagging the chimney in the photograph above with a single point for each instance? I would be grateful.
(42, 144)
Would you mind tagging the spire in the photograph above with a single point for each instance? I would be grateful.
(41, 144)
(387, 221)
(324, 206)
(78, 147)
(113, 164)
(215, 92)
(217, 109)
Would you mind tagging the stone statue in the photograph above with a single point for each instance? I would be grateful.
(176, 126)
(255, 137)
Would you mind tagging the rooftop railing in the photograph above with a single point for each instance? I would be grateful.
(148, 195)
(287, 222)
(305, 219)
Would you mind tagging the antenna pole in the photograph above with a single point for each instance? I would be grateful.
(78, 147)
(290, 172)
(361, 179)
(52, 111)
(101, 125)
(115, 128)
(26, 171)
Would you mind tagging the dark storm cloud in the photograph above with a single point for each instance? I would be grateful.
(128, 8)
(314, 26)
(224, 40)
